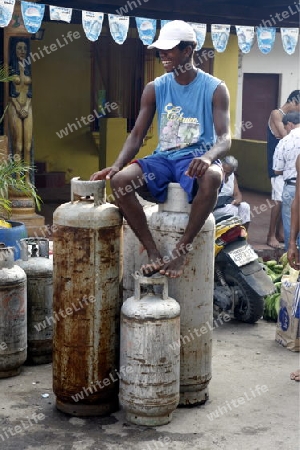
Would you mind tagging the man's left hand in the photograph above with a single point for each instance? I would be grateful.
(293, 256)
(198, 167)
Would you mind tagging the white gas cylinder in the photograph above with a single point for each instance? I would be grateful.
(13, 315)
(149, 354)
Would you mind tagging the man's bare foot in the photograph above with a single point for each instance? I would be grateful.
(170, 266)
(174, 268)
(153, 266)
(272, 242)
(295, 375)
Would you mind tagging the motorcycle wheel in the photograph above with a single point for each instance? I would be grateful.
(250, 305)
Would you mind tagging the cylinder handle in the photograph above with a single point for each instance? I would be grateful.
(82, 188)
(6, 256)
(150, 281)
(34, 247)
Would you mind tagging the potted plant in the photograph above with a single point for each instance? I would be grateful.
(14, 177)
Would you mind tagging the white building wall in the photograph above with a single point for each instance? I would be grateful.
(277, 61)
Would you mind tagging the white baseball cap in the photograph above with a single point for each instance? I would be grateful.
(172, 34)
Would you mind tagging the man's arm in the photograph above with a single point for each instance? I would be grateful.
(221, 118)
(237, 195)
(135, 139)
(293, 252)
(278, 159)
(276, 124)
(221, 123)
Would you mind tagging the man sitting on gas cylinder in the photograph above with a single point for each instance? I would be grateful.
(193, 116)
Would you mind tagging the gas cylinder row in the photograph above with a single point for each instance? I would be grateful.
(26, 295)
(95, 365)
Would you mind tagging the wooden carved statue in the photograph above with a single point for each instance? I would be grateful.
(20, 95)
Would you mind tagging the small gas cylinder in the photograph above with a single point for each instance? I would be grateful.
(39, 270)
(13, 318)
(86, 301)
(150, 355)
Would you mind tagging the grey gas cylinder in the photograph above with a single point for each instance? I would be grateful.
(193, 289)
(87, 272)
(39, 270)
(150, 354)
(13, 317)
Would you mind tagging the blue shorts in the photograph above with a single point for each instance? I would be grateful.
(159, 171)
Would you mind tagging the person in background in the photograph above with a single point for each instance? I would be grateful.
(284, 162)
(193, 117)
(275, 132)
(294, 249)
(230, 198)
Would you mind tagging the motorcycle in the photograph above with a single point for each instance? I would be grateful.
(240, 283)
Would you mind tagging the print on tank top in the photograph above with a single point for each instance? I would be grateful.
(177, 131)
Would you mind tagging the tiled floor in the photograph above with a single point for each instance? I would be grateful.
(260, 205)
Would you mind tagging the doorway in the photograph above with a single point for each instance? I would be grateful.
(260, 97)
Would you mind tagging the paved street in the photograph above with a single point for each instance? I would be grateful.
(253, 405)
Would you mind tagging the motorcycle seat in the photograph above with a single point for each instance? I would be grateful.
(225, 217)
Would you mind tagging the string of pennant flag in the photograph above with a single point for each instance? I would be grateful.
(33, 15)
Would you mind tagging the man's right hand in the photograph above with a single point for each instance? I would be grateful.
(104, 174)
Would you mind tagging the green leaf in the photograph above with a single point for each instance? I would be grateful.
(6, 73)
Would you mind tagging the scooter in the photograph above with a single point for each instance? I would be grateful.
(240, 283)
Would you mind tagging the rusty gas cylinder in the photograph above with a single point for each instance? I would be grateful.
(39, 270)
(13, 318)
(150, 354)
(86, 301)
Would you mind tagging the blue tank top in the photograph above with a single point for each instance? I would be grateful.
(185, 115)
